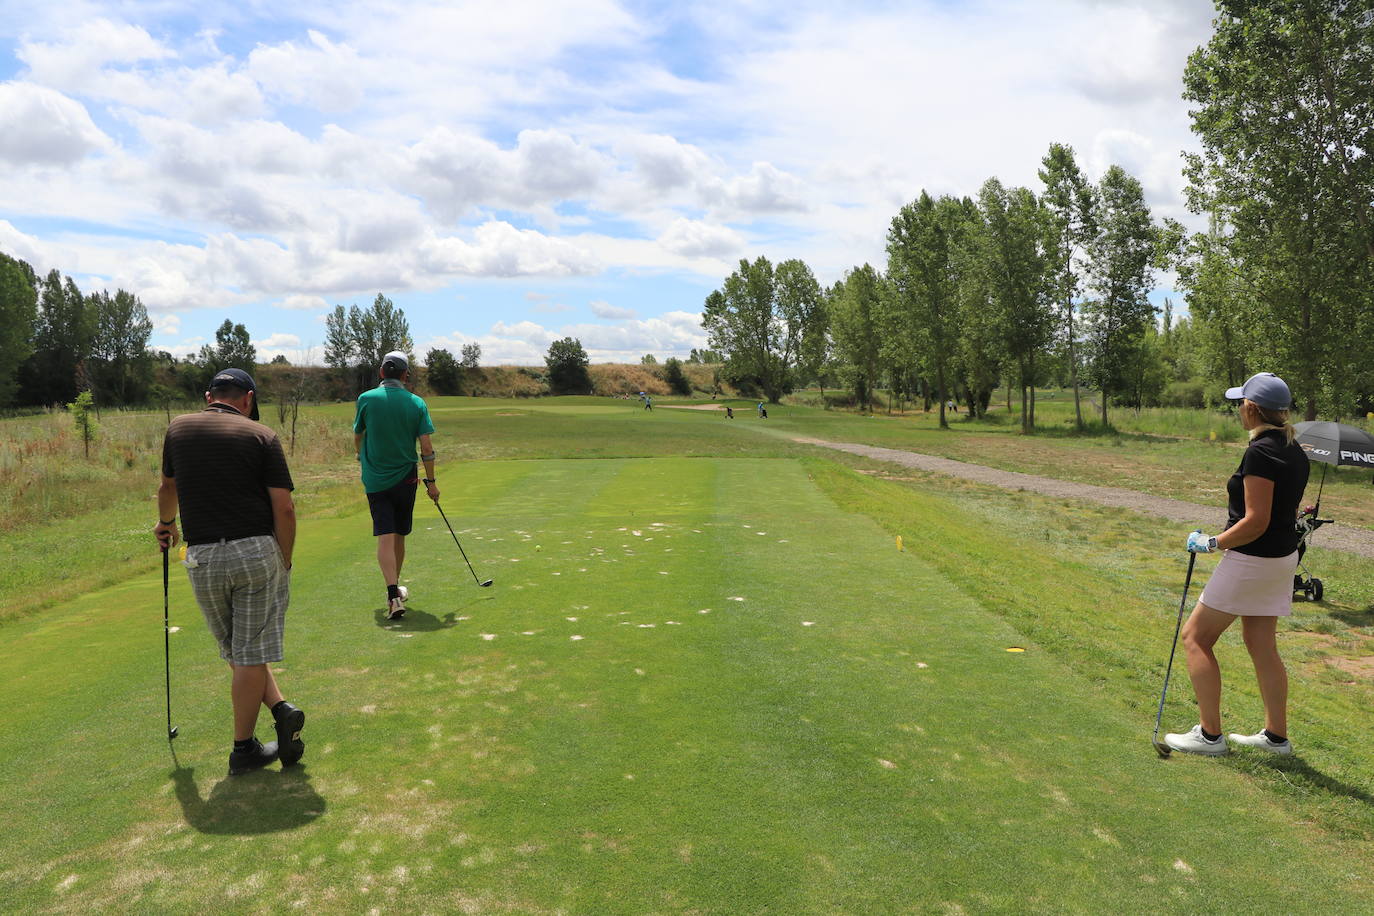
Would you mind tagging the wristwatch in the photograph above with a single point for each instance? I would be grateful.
(429, 480)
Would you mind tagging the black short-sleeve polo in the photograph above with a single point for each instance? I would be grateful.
(223, 464)
(1270, 455)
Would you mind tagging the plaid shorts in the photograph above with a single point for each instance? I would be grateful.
(242, 588)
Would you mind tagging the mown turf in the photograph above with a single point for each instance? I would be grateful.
(851, 736)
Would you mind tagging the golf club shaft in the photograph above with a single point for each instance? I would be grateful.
(1187, 581)
(459, 543)
(166, 639)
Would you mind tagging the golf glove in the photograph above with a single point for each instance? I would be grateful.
(1201, 543)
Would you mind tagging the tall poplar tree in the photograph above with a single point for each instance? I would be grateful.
(923, 244)
(856, 304)
(1071, 207)
(18, 313)
(758, 320)
(1121, 273)
(1285, 115)
(1012, 259)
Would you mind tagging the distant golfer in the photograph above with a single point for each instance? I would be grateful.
(228, 475)
(729, 412)
(1254, 578)
(388, 421)
(648, 402)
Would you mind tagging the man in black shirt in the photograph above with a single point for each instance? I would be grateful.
(228, 475)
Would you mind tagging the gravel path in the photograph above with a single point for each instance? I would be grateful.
(1358, 541)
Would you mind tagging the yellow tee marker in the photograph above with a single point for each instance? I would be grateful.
(899, 543)
(1015, 649)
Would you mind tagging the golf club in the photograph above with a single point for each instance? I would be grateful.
(484, 583)
(167, 647)
(1160, 747)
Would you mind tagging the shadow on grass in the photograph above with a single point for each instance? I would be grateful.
(264, 801)
(1300, 776)
(1354, 618)
(415, 621)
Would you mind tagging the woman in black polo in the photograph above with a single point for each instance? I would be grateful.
(1254, 578)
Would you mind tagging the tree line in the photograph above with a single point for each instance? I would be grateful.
(975, 291)
(1022, 287)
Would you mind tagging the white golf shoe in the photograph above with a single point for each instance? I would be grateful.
(1192, 742)
(1262, 742)
(405, 592)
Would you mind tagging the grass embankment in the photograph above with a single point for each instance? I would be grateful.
(851, 736)
(1172, 456)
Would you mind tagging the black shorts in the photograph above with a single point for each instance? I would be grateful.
(393, 509)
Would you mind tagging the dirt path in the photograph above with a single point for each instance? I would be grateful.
(1358, 541)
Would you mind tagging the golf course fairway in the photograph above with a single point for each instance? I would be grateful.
(698, 685)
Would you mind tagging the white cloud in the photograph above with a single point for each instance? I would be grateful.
(692, 238)
(23, 246)
(603, 309)
(77, 62)
(499, 249)
(328, 76)
(166, 324)
(39, 126)
(302, 302)
(278, 341)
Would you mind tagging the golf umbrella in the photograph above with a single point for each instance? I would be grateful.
(1336, 444)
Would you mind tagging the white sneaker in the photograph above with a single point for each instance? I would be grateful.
(405, 592)
(395, 609)
(1261, 741)
(1192, 742)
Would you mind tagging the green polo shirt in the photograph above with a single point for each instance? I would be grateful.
(390, 419)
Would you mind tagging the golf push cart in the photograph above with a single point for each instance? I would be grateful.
(1303, 581)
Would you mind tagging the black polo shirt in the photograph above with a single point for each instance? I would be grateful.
(1270, 455)
(223, 464)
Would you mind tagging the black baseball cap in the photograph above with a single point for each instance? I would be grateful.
(237, 378)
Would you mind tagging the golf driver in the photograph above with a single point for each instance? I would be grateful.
(1160, 747)
(484, 583)
(167, 648)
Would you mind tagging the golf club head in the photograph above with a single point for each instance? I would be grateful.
(485, 583)
(1162, 749)
(173, 732)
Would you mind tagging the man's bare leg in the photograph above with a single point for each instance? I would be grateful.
(248, 692)
(386, 557)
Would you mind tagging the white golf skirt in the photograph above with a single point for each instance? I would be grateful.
(1252, 586)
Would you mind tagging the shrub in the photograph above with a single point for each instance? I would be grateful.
(567, 363)
(442, 373)
(1192, 393)
(675, 377)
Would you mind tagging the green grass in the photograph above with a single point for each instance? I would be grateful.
(852, 736)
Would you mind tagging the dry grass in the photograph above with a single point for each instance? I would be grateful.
(46, 474)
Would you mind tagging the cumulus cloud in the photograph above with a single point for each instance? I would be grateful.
(692, 238)
(322, 74)
(76, 62)
(21, 245)
(278, 341)
(40, 126)
(603, 309)
(302, 302)
(499, 249)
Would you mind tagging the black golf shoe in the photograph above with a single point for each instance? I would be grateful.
(290, 721)
(256, 757)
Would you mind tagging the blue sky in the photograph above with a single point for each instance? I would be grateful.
(513, 173)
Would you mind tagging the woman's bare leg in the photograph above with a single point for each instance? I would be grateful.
(1200, 633)
(1260, 639)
